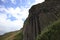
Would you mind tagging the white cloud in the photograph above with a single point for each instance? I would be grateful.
(13, 1)
(23, 12)
(35, 2)
(19, 13)
(39, 1)
(3, 1)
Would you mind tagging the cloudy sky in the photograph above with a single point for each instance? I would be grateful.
(13, 13)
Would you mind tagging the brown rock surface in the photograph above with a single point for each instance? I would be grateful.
(40, 16)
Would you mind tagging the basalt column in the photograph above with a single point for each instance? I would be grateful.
(32, 26)
(40, 16)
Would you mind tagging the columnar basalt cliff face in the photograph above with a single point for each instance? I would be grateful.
(40, 16)
(43, 20)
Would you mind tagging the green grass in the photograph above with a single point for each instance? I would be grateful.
(19, 36)
(51, 33)
(16, 35)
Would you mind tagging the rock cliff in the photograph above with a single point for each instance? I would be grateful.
(40, 16)
(43, 23)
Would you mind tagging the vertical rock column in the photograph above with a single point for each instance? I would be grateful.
(32, 26)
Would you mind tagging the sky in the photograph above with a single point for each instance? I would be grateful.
(13, 13)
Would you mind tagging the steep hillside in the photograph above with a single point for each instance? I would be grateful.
(17, 35)
(50, 33)
(40, 16)
(43, 23)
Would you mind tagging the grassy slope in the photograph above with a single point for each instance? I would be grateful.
(51, 33)
(17, 35)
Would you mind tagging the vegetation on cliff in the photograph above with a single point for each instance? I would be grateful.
(51, 33)
(43, 23)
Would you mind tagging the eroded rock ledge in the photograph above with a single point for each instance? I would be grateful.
(40, 16)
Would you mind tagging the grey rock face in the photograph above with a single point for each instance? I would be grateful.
(40, 16)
